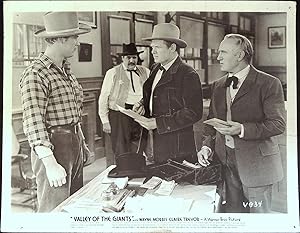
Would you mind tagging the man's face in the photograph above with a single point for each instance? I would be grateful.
(130, 61)
(69, 46)
(160, 51)
(229, 55)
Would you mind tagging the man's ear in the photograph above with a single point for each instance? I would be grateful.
(241, 55)
(173, 47)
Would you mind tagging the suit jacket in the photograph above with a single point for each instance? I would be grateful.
(259, 106)
(177, 105)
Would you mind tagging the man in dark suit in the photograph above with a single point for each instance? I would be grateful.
(172, 98)
(252, 103)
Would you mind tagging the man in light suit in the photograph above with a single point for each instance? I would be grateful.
(172, 99)
(252, 103)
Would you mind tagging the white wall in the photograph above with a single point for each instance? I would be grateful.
(266, 56)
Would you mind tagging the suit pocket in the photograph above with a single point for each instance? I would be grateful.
(268, 147)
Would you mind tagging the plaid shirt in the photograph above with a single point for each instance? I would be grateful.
(50, 96)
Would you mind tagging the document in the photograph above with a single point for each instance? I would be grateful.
(191, 165)
(132, 114)
(136, 181)
(218, 123)
(166, 188)
(152, 183)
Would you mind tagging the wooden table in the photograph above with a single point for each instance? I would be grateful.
(204, 196)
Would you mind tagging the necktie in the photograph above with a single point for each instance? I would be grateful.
(162, 69)
(233, 79)
(131, 79)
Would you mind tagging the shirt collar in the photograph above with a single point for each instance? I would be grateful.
(168, 65)
(242, 73)
(48, 62)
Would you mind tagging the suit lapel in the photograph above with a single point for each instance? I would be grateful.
(220, 96)
(247, 85)
(149, 81)
(169, 74)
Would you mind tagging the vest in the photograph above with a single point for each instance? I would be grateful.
(119, 92)
(228, 139)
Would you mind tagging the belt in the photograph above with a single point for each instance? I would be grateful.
(69, 128)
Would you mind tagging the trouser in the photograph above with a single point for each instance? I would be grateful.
(68, 153)
(238, 197)
(124, 130)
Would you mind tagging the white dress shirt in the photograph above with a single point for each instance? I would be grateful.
(132, 98)
(241, 76)
(157, 79)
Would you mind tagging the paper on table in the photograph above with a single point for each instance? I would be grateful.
(152, 183)
(166, 188)
(132, 114)
(136, 181)
(191, 165)
(215, 122)
(120, 182)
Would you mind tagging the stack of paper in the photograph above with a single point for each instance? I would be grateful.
(152, 183)
(118, 201)
(166, 188)
(136, 181)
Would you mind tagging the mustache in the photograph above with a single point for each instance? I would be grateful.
(131, 63)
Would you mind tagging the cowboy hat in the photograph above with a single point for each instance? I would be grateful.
(132, 165)
(167, 32)
(129, 49)
(62, 24)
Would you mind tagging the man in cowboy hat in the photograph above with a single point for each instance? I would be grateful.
(122, 86)
(172, 98)
(52, 110)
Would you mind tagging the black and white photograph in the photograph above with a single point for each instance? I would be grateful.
(142, 117)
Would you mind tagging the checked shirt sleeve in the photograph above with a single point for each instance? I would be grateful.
(34, 92)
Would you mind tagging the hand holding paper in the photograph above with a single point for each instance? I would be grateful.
(149, 124)
(217, 123)
(225, 127)
(234, 128)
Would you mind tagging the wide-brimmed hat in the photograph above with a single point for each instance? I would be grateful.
(129, 49)
(132, 165)
(168, 32)
(62, 24)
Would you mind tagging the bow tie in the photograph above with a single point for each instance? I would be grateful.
(233, 79)
(162, 69)
(131, 79)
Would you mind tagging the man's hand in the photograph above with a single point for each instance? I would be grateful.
(149, 124)
(203, 156)
(56, 174)
(139, 108)
(233, 129)
(106, 127)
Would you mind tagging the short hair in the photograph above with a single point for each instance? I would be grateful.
(245, 45)
(53, 39)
